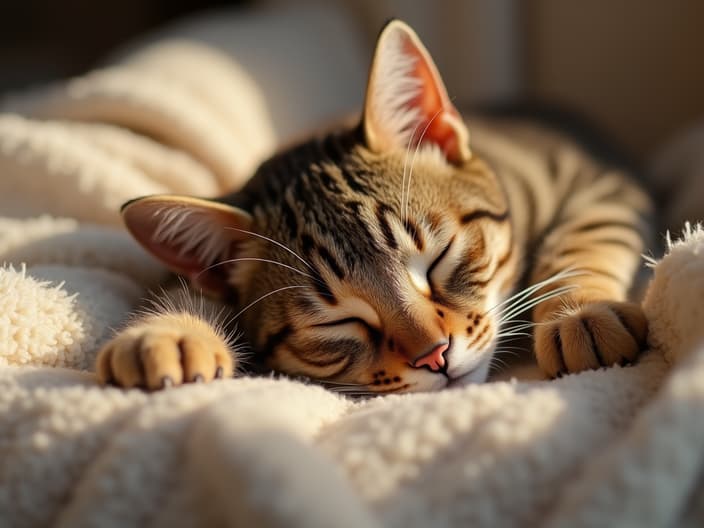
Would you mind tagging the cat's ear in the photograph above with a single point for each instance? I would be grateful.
(406, 99)
(190, 235)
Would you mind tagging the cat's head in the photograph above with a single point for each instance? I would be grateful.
(370, 258)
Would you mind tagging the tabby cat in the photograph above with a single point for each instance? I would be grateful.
(381, 258)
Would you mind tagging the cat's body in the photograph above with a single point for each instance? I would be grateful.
(379, 258)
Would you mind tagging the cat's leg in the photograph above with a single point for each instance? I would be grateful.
(587, 331)
(165, 349)
(592, 325)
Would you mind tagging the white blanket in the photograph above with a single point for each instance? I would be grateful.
(617, 447)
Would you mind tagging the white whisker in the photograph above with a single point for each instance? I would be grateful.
(518, 327)
(526, 292)
(516, 350)
(353, 393)
(513, 352)
(523, 321)
(497, 361)
(413, 161)
(279, 244)
(530, 303)
(502, 335)
(246, 259)
(513, 334)
(348, 389)
(340, 384)
(265, 296)
(650, 260)
(405, 163)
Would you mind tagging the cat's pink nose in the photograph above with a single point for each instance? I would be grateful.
(435, 359)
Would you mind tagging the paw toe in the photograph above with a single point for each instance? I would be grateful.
(633, 319)
(197, 359)
(126, 369)
(160, 358)
(102, 366)
(598, 335)
(579, 351)
(165, 352)
(612, 342)
(548, 349)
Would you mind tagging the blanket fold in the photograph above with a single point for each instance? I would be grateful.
(619, 446)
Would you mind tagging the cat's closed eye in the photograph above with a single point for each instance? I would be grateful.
(435, 263)
(345, 321)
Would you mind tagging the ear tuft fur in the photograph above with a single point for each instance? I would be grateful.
(191, 231)
(188, 234)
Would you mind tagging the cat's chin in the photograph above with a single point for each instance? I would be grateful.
(478, 374)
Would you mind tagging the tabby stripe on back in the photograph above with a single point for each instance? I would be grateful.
(480, 213)
(605, 273)
(624, 244)
(607, 224)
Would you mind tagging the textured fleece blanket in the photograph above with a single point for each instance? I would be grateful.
(617, 447)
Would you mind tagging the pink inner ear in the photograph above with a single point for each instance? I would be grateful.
(406, 101)
(142, 223)
(143, 218)
(211, 279)
(437, 114)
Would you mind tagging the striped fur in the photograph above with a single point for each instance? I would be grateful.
(361, 261)
(472, 232)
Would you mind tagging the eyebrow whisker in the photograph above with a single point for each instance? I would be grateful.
(256, 259)
(279, 244)
(405, 162)
(413, 161)
(265, 296)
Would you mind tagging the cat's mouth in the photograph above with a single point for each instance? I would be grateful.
(463, 367)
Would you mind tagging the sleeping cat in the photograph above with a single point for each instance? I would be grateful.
(382, 258)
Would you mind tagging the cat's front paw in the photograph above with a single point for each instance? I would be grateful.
(597, 335)
(164, 353)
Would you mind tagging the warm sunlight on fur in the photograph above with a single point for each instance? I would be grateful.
(385, 258)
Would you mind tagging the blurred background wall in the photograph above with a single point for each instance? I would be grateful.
(634, 66)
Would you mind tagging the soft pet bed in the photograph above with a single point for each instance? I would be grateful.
(618, 447)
